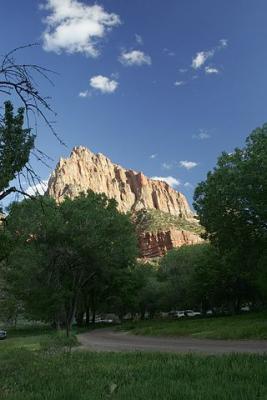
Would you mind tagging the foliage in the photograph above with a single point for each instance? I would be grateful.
(192, 276)
(232, 207)
(16, 144)
(63, 249)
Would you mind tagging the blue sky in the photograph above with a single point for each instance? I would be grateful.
(158, 86)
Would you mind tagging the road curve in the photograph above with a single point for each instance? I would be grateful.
(110, 340)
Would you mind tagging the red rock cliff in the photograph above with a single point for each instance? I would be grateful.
(157, 244)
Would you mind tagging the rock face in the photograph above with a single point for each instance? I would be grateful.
(132, 190)
(157, 244)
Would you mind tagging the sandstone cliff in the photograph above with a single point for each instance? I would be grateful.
(132, 190)
(157, 244)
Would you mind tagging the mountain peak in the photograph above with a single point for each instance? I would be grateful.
(132, 190)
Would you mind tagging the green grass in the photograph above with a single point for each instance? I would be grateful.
(130, 376)
(155, 220)
(246, 326)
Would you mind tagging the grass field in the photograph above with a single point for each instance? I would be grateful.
(35, 375)
(246, 326)
(29, 371)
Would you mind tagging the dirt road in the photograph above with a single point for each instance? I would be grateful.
(110, 340)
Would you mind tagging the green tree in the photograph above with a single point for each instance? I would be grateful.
(16, 144)
(231, 204)
(63, 249)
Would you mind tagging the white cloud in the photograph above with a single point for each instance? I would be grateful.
(166, 165)
(38, 189)
(153, 156)
(201, 58)
(183, 70)
(188, 185)
(188, 164)
(84, 93)
(76, 27)
(211, 70)
(103, 84)
(135, 57)
(179, 83)
(139, 39)
(170, 180)
(202, 135)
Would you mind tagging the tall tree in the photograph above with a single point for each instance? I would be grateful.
(62, 249)
(231, 204)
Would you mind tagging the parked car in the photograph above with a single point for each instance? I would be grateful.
(3, 334)
(103, 321)
(245, 308)
(191, 313)
(176, 314)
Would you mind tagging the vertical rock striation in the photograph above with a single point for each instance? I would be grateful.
(132, 190)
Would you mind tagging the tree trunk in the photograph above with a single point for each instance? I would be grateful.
(93, 307)
(79, 318)
(71, 314)
(87, 318)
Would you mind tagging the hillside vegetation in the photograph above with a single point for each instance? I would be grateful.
(155, 220)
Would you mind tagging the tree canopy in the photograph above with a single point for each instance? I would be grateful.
(16, 144)
(62, 249)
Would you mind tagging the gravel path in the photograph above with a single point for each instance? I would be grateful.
(110, 340)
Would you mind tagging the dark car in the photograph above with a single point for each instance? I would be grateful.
(2, 334)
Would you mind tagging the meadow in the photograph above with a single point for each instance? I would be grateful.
(35, 366)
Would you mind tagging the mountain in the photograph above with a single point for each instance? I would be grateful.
(148, 200)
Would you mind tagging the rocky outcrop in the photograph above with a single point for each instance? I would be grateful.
(157, 244)
(132, 190)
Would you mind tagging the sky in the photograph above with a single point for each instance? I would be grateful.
(158, 86)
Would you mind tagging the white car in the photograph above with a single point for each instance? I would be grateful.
(191, 313)
(180, 314)
(176, 314)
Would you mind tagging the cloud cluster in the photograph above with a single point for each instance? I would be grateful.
(75, 27)
(103, 84)
(134, 57)
(170, 180)
(188, 164)
(200, 60)
(202, 56)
